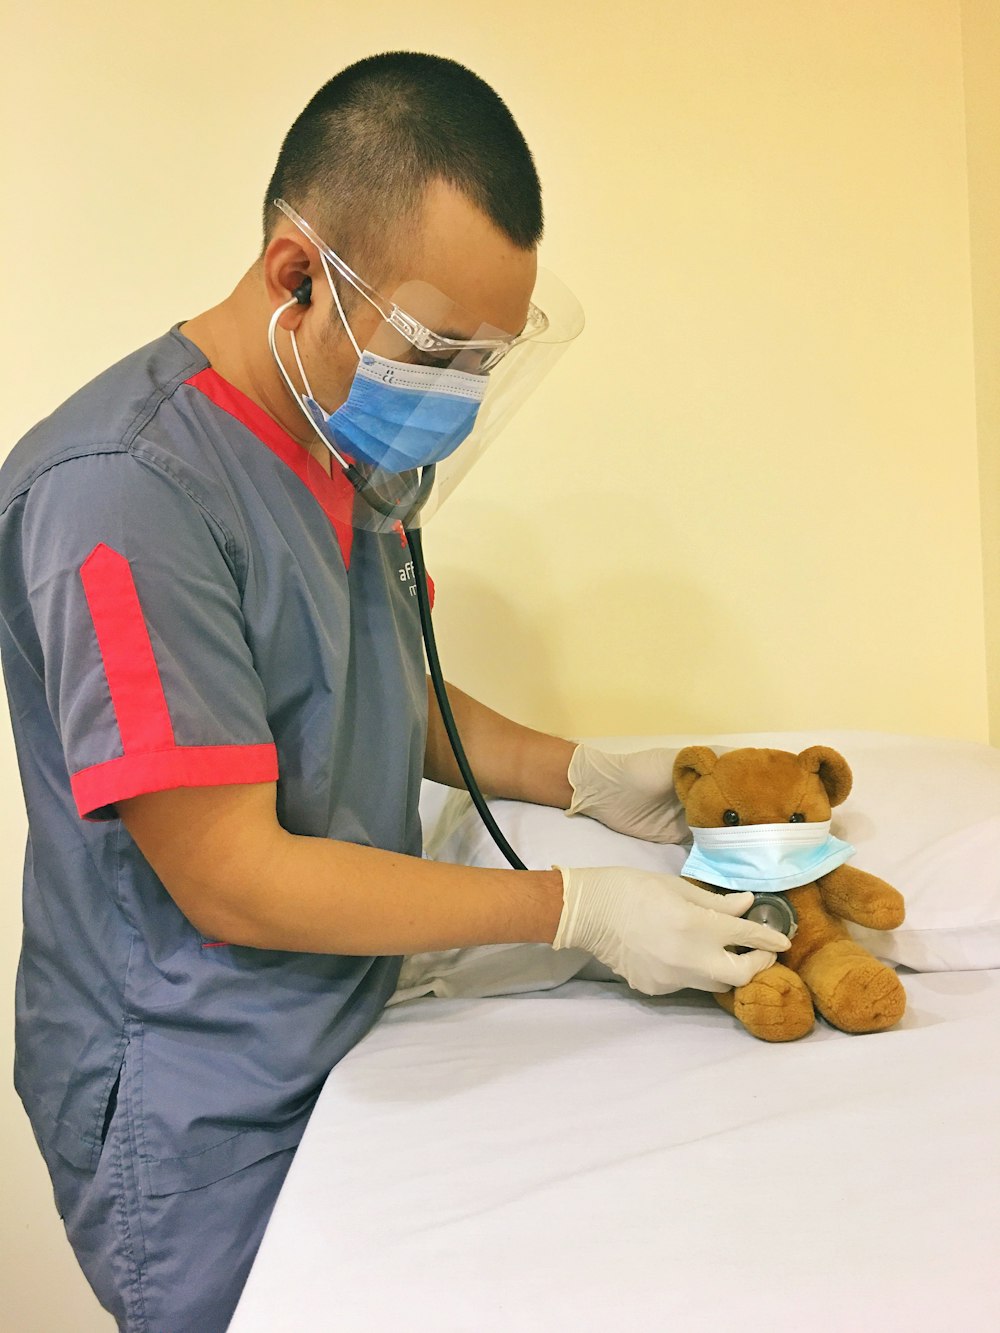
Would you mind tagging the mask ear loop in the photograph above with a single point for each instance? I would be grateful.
(298, 362)
(360, 483)
(340, 308)
(272, 343)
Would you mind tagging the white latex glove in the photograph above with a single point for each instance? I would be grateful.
(661, 933)
(630, 793)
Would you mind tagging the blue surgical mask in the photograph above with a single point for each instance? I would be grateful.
(765, 858)
(399, 416)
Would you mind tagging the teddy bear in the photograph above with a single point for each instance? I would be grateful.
(824, 969)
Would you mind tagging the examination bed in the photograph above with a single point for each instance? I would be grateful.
(582, 1157)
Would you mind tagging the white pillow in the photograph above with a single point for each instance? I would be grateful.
(924, 814)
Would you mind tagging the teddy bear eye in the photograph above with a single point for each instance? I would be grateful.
(730, 817)
(797, 818)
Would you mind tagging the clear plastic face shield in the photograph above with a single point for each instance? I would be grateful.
(433, 388)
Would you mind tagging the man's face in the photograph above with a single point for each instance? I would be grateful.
(452, 270)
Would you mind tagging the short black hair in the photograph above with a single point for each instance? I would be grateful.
(359, 158)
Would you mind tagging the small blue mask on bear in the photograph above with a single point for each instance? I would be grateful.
(765, 858)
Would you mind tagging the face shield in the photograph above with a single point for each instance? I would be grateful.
(433, 389)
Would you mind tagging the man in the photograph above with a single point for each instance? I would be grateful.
(216, 680)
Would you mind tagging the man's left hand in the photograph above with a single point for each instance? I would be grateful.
(630, 793)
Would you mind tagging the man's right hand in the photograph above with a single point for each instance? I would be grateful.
(661, 933)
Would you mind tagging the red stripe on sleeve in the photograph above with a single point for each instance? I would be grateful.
(133, 676)
(151, 758)
(102, 785)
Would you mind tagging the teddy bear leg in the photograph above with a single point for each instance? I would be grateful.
(852, 989)
(774, 1006)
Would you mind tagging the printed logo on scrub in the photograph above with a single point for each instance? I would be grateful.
(406, 576)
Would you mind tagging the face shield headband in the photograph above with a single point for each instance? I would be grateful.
(403, 417)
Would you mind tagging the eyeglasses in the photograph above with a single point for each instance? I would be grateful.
(486, 353)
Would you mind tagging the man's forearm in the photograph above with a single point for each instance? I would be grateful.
(336, 897)
(508, 760)
(241, 878)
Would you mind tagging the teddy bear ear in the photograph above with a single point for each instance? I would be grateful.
(692, 763)
(833, 769)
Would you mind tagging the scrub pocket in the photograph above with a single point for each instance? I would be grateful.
(168, 1261)
(193, 1109)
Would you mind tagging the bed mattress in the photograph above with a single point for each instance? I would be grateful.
(591, 1159)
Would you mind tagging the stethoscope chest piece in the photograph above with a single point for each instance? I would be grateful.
(774, 910)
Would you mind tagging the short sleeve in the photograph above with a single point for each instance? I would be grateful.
(134, 590)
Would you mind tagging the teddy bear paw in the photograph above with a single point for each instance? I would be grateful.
(854, 991)
(775, 1006)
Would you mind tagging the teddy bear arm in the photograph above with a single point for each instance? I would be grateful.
(855, 895)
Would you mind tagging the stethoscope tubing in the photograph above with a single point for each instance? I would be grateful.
(447, 716)
(402, 515)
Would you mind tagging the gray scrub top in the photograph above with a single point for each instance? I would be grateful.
(183, 602)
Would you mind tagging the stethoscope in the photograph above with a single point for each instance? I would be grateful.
(774, 910)
(768, 909)
(401, 513)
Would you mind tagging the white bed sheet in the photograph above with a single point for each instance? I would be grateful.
(593, 1159)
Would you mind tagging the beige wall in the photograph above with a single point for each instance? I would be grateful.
(981, 46)
(749, 498)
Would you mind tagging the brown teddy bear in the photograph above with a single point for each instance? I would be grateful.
(824, 967)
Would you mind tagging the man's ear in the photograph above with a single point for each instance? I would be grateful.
(285, 272)
(692, 763)
(833, 769)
